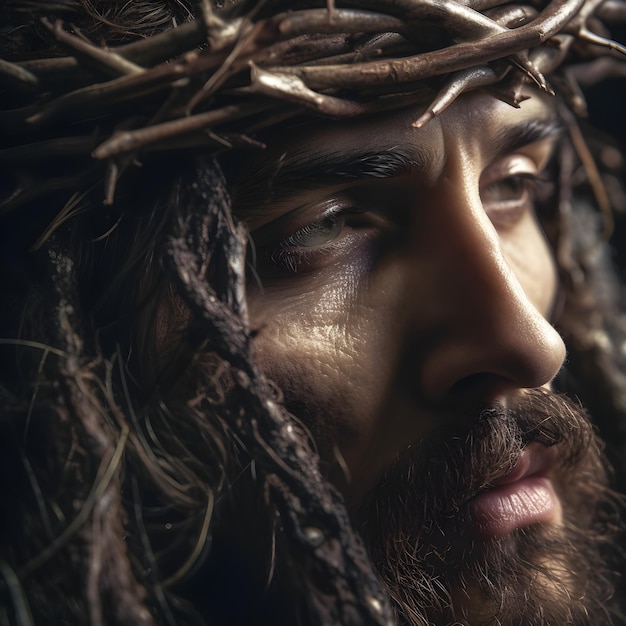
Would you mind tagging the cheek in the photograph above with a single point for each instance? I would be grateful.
(320, 345)
(531, 259)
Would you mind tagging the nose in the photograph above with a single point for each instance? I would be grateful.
(486, 336)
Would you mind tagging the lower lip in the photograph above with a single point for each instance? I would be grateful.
(503, 509)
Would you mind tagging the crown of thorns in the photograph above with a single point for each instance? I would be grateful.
(214, 81)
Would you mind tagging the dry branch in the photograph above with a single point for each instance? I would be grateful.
(335, 61)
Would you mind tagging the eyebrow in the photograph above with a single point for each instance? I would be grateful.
(516, 137)
(303, 171)
(307, 171)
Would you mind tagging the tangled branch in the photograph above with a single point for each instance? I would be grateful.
(178, 89)
(212, 83)
(310, 509)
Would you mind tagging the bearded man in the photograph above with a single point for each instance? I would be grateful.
(301, 366)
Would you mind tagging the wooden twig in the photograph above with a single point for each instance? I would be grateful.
(453, 58)
(512, 16)
(66, 73)
(548, 58)
(134, 140)
(306, 57)
(211, 21)
(586, 35)
(102, 60)
(458, 83)
(301, 50)
(343, 21)
(292, 89)
(315, 518)
(230, 65)
(15, 76)
(43, 150)
(100, 97)
(465, 22)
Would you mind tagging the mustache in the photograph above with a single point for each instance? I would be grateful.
(430, 481)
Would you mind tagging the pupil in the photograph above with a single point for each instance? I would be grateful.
(512, 189)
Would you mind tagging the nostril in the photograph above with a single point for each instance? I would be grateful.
(480, 389)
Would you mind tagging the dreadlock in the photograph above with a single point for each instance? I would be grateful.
(136, 429)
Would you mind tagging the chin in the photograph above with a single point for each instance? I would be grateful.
(544, 567)
(533, 576)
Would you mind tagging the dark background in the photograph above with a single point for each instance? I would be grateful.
(607, 111)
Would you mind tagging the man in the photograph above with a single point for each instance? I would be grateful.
(301, 366)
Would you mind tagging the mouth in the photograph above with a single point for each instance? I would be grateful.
(522, 498)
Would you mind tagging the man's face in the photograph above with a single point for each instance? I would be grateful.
(404, 279)
(402, 286)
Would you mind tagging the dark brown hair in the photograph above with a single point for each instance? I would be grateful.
(142, 449)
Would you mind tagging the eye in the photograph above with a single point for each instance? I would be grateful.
(508, 189)
(317, 234)
(342, 234)
(314, 245)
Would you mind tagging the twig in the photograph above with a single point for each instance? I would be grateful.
(512, 16)
(458, 83)
(127, 141)
(343, 21)
(464, 21)
(453, 58)
(42, 150)
(100, 97)
(301, 50)
(597, 40)
(100, 59)
(227, 68)
(65, 72)
(294, 90)
(283, 459)
(20, 78)
(210, 20)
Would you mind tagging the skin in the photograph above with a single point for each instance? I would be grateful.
(427, 298)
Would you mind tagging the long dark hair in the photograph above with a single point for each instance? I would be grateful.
(149, 468)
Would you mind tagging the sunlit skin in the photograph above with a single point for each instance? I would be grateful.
(388, 304)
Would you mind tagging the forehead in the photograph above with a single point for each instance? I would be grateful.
(322, 153)
(479, 119)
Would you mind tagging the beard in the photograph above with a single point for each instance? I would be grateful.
(415, 523)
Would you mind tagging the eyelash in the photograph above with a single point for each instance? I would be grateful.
(288, 259)
(508, 211)
(291, 255)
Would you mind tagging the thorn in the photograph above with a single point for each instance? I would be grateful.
(587, 35)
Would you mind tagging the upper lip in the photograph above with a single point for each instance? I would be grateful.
(535, 460)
